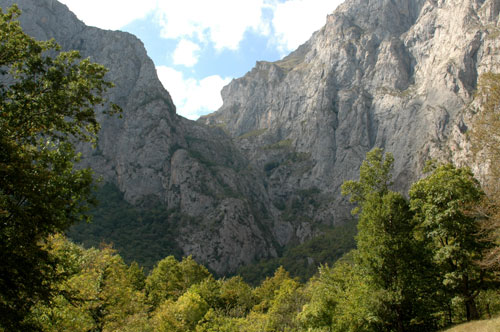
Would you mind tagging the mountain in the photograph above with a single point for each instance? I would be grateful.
(390, 74)
(265, 170)
(156, 158)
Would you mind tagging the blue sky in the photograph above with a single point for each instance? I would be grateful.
(198, 46)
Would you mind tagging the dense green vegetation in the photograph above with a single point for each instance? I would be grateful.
(144, 235)
(302, 261)
(422, 262)
(46, 104)
(102, 293)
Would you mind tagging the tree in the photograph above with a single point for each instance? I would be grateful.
(443, 203)
(389, 254)
(180, 315)
(286, 304)
(374, 178)
(354, 302)
(236, 297)
(486, 145)
(265, 293)
(99, 293)
(47, 101)
(325, 292)
(171, 278)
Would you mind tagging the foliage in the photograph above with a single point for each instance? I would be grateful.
(486, 145)
(357, 299)
(443, 203)
(388, 251)
(267, 290)
(215, 321)
(236, 298)
(374, 178)
(98, 293)
(414, 268)
(47, 101)
(144, 235)
(101, 293)
(181, 315)
(303, 260)
(171, 278)
(283, 144)
(284, 307)
(148, 234)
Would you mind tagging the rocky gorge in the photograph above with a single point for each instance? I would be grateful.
(265, 170)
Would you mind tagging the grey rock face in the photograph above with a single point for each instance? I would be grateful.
(390, 74)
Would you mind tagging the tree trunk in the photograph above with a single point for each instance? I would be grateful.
(470, 306)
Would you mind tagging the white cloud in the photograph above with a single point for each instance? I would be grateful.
(110, 14)
(294, 21)
(192, 97)
(186, 53)
(223, 22)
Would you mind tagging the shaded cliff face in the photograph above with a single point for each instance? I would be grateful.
(390, 74)
(157, 158)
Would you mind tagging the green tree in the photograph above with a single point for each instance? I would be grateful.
(375, 177)
(353, 303)
(47, 101)
(236, 297)
(323, 296)
(266, 292)
(171, 278)
(285, 306)
(181, 315)
(98, 294)
(388, 252)
(216, 321)
(444, 203)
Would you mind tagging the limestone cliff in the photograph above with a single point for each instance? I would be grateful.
(391, 74)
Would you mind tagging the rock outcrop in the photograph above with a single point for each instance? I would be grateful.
(265, 170)
(390, 74)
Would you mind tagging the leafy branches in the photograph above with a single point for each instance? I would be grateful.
(47, 102)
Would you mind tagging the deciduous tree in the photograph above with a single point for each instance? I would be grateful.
(389, 254)
(47, 102)
(171, 278)
(443, 203)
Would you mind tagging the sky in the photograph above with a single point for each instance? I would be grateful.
(199, 46)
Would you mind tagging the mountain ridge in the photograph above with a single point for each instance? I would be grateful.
(353, 88)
